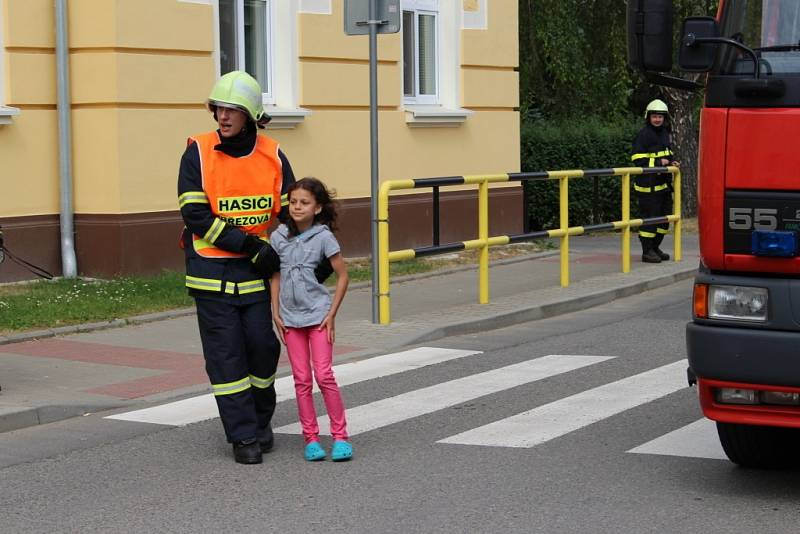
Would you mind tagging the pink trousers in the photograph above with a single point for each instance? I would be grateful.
(309, 348)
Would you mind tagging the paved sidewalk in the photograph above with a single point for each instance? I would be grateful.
(51, 375)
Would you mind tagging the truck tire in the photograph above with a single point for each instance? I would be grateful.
(758, 446)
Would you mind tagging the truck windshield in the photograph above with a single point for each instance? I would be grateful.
(770, 27)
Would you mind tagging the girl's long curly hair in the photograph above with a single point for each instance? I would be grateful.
(324, 198)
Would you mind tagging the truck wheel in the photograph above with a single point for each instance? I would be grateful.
(758, 446)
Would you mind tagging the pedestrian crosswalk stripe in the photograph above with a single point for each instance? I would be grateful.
(430, 399)
(204, 407)
(550, 421)
(696, 440)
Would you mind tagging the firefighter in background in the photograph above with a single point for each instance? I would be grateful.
(652, 148)
(230, 187)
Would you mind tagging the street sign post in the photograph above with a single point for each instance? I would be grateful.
(371, 17)
(356, 16)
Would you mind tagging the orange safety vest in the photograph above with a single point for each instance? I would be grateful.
(244, 192)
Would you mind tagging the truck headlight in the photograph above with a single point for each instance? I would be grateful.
(737, 302)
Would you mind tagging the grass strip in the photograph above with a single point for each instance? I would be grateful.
(51, 304)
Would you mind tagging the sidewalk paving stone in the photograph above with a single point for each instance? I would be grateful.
(64, 372)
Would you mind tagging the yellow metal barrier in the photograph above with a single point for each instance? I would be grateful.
(563, 232)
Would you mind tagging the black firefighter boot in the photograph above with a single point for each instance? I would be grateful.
(247, 451)
(656, 247)
(266, 439)
(649, 255)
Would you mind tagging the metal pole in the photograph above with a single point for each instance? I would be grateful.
(483, 236)
(373, 152)
(436, 216)
(68, 262)
(626, 216)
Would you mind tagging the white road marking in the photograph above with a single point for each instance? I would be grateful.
(430, 399)
(550, 421)
(204, 407)
(696, 440)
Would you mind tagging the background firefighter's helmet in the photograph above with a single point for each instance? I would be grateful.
(239, 90)
(656, 106)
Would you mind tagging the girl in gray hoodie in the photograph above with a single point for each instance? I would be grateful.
(304, 312)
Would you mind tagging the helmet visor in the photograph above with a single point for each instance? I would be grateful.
(214, 104)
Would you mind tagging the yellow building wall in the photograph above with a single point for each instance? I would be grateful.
(335, 86)
(404, 153)
(139, 83)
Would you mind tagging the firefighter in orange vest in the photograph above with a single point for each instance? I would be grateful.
(230, 188)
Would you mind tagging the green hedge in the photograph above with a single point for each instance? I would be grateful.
(551, 146)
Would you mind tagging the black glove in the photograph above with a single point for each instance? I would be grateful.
(264, 257)
(323, 270)
(267, 262)
(252, 245)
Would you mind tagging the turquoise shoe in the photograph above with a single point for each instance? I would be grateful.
(341, 451)
(314, 452)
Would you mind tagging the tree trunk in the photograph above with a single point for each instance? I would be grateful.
(685, 133)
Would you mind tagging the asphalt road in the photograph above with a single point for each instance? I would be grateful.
(531, 434)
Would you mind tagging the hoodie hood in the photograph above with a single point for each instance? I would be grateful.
(283, 230)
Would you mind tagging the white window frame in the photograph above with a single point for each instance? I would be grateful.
(281, 102)
(6, 112)
(424, 7)
(446, 111)
(267, 93)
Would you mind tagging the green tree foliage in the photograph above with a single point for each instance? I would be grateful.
(573, 67)
(572, 59)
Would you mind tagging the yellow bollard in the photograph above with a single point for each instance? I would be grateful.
(383, 255)
(563, 190)
(483, 237)
(626, 230)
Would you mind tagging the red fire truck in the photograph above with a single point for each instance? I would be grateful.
(743, 343)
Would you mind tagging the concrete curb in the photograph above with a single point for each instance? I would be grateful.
(533, 313)
(92, 327)
(11, 419)
(16, 419)
(182, 312)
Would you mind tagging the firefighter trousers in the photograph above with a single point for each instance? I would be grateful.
(241, 353)
(654, 204)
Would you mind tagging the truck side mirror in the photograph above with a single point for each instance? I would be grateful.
(694, 55)
(650, 35)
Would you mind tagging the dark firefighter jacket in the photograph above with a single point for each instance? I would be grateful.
(222, 276)
(650, 145)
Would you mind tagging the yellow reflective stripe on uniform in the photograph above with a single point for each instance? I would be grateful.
(251, 287)
(231, 387)
(662, 231)
(192, 197)
(214, 232)
(285, 199)
(206, 284)
(651, 155)
(262, 383)
(230, 288)
(646, 234)
(650, 189)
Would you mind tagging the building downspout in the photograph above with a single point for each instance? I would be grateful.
(68, 262)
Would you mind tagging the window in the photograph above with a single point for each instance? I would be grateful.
(5, 112)
(245, 34)
(421, 51)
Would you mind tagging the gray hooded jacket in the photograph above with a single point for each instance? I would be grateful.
(304, 301)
